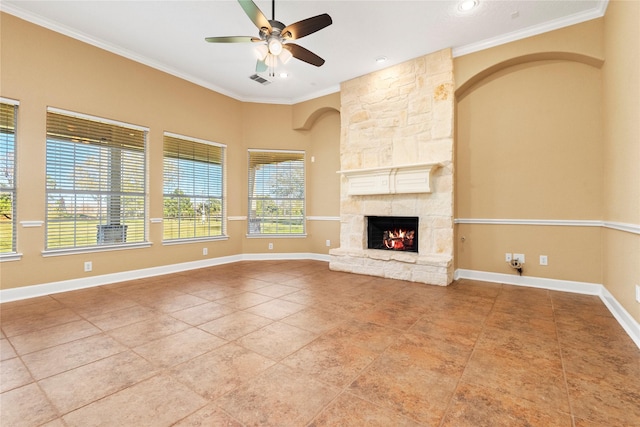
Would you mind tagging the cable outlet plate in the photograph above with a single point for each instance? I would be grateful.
(507, 257)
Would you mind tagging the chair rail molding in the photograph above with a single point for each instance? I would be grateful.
(620, 226)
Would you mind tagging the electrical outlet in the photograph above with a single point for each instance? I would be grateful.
(544, 260)
(519, 257)
(88, 266)
(638, 293)
(328, 242)
(205, 251)
(507, 257)
(270, 246)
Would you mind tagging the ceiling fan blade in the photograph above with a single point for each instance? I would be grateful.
(232, 39)
(304, 54)
(306, 26)
(261, 66)
(256, 15)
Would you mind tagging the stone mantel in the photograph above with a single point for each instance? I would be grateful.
(405, 179)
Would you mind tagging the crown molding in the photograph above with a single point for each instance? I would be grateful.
(577, 18)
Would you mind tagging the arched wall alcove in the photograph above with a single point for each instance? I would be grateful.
(315, 115)
(528, 147)
(487, 73)
(305, 114)
(319, 120)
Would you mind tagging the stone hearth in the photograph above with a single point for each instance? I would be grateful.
(394, 121)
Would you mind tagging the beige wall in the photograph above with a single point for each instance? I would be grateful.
(621, 137)
(41, 68)
(323, 182)
(270, 126)
(573, 252)
(547, 129)
(528, 146)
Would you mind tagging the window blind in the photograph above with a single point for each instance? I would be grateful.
(276, 192)
(8, 117)
(96, 182)
(193, 188)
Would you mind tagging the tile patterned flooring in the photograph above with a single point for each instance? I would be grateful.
(290, 343)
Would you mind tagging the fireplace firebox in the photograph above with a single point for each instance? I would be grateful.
(392, 233)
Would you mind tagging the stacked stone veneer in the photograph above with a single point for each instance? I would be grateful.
(398, 116)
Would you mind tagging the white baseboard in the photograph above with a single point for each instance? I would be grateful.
(623, 317)
(628, 323)
(276, 256)
(532, 282)
(15, 294)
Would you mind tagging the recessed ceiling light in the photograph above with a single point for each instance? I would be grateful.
(467, 5)
(381, 59)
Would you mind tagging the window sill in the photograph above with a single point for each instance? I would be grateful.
(91, 249)
(194, 240)
(276, 236)
(10, 256)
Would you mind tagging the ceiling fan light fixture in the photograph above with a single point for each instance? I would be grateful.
(271, 60)
(285, 56)
(272, 35)
(261, 51)
(275, 46)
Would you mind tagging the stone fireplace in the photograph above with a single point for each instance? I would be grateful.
(396, 155)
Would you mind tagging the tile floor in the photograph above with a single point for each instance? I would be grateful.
(294, 344)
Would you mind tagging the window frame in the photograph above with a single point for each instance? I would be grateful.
(252, 219)
(12, 254)
(103, 231)
(223, 190)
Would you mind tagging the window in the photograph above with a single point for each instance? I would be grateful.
(8, 114)
(193, 188)
(95, 182)
(276, 192)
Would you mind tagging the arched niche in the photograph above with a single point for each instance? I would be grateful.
(314, 116)
(305, 114)
(468, 85)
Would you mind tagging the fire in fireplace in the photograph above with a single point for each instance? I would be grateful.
(394, 233)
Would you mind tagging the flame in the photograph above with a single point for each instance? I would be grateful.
(398, 239)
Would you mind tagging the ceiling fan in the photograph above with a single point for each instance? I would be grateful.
(276, 37)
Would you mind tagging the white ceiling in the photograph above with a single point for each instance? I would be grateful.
(169, 35)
